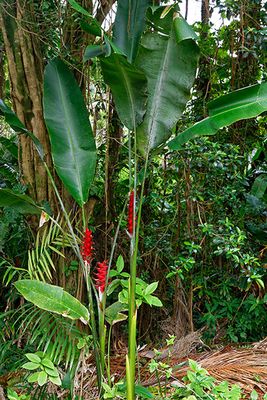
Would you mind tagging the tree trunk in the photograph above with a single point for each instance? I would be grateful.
(25, 68)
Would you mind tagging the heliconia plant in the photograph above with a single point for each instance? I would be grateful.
(150, 65)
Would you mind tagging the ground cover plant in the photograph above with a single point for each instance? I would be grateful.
(80, 284)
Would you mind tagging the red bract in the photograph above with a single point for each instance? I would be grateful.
(101, 275)
(131, 213)
(87, 246)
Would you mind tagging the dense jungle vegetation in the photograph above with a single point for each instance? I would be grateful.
(133, 199)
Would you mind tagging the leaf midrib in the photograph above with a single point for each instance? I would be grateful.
(69, 137)
(155, 104)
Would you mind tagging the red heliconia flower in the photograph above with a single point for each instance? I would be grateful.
(131, 218)
(101, 276)
(87, 246)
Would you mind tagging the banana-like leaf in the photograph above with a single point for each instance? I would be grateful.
(129, 25)
(241, 104)
(128, 86)
(170, 66)
(52, 298)
(21, 202)
(18, 126)
(94, 50)
(67, 120)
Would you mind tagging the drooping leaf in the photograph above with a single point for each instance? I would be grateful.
(129, 25)
(92, 28)
(52, 298)
(170, 67)
(244, 103)
(128, 86)
(67, 120)
(95, 50)
(21, 202)
(18, 126)
(113, 313)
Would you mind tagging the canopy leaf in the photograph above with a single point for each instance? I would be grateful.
(67, 120)
(170, 66)
(241, 104)
(128, 86)
(129, 25)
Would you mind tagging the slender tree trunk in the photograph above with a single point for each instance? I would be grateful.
(25, 68)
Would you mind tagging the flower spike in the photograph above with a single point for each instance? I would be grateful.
(101, 276)
(87, 246)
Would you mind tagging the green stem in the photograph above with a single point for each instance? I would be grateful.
(132, 302)
(88, 280)
(84, 219)
(108, 367)
(94, 333)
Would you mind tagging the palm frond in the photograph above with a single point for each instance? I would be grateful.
(51, 333)
(48, 241)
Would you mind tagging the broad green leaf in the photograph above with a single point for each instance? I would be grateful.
(52, 298)
(33, 357)
(48, 363)
(55, 380)
(120, 264)
(33, 377)
(113, 313)
(129, 25)
(170, 67)
(95, 50)
(52, 372)
(151, 288)
(245, 103)
(92, 28)
(153, 300)
(42, 378)
(18, 126)
(31, 366)
(67, 121)
(128, 87)
(21, 202)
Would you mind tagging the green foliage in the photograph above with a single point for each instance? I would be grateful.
(169, 62)
(72, 140)
(46, 371)
(143, 290)
(242, 104)
(200, 385)
(128, 86)
(52, 298)
(129, 25)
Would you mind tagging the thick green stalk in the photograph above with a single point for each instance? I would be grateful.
(102, 301)
(130, 371)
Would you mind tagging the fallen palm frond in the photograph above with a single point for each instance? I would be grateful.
(246, 367)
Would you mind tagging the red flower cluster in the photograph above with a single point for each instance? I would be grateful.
(131, 213)
(87, 246)
(101, 276)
